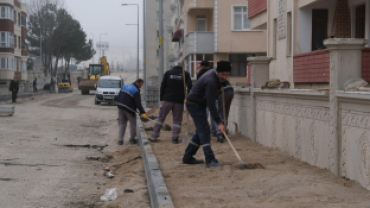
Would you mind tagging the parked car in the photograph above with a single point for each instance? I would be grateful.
(107, 89)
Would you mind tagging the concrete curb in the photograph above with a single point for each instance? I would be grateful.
(158, 193)
(9, 97)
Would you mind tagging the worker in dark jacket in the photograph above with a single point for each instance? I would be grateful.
(14, 88)
(229, 96)
(172, 97)
(204, 94)
(204, 67)
(35, 85)
(128, 101)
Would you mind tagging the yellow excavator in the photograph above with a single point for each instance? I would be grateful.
(94, 73)
(64, 83)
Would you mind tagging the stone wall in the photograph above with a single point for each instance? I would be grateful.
(298, 122)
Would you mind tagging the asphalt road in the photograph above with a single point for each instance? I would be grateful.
(43, 150)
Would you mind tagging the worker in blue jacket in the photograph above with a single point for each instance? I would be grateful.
(129, 100)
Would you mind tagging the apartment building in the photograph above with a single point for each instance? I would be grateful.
(296, 31)
(216, 30)
(13, 52)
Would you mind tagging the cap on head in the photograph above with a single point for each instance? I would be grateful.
(223, 66)
(205, 63)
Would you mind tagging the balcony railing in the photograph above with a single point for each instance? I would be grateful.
(199, 43)
(312, 67)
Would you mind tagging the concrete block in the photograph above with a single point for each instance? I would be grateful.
(7, 110)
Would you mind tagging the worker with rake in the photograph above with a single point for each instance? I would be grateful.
(172, 97)
(204, 94)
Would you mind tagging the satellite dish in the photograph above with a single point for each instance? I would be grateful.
(173, 7)
(171, 58)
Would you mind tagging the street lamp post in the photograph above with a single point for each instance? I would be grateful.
(138, 36)
(100, 41)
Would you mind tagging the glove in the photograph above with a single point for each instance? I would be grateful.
(143, 115)
(185, 101)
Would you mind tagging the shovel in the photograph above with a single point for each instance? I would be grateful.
(184, 137)
(165, 127)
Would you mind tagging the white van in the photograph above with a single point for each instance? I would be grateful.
(107, 89)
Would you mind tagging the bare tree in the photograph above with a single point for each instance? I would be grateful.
(41, 25)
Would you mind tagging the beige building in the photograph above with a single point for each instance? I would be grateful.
(13, 32)
(296, 31)
(216, 30)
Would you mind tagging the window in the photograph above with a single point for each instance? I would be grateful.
(6, 12)
(6, 40)
(19, 42)
(7, 63)
(239, 64)
(201, 23)
(195, 61)
(240, 19)
(23, 21)
(19, 18)
(319, 28)
(360, 21)
(289, 34)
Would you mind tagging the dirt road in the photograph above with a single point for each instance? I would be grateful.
(43, 150)
(285, 181)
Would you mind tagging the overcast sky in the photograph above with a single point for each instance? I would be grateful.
(108, 16)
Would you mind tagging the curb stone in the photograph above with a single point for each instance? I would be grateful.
(9, 97)
(158, 192)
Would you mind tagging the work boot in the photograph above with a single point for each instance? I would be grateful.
(175, 140)
(133, 141)
(192, 161)
(213, 163)
(152, 138)
(214, 134)
(220, 138)
(120, 142)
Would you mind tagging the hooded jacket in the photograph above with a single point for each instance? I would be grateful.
(172, 86)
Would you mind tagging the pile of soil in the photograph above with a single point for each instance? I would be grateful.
(282, 182)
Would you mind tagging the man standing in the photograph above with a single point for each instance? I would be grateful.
(14, 88)
(229, 96)
(129, 100)
(204, 67)
(35, 85)
(204, 94)
(172, 97)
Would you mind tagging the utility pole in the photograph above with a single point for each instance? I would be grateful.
(144, 51)
(160, 71)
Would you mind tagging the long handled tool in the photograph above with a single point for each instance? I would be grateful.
(165, 127)
(185, 138)
(232, 147)
(227, 138)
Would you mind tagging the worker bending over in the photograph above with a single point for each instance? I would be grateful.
(172, 97)
(204, 94)
(128, 101)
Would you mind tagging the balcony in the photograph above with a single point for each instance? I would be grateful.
(312, 67)
(204, 4)
(199, 43)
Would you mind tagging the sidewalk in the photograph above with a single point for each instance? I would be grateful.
(285, 181)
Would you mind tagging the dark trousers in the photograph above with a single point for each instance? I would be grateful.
(177, 112)
(14, 96)
(202, 135)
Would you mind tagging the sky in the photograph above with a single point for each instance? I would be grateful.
(108, 16)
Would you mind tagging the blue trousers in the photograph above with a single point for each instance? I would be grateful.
(202, 135)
